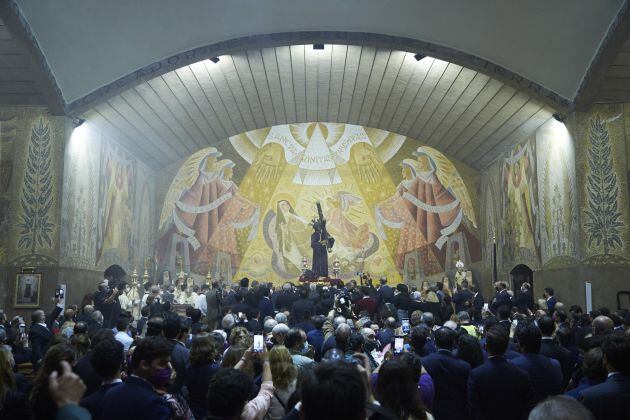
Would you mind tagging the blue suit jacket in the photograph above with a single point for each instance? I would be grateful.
(609, 400)
(265, 306)
(135, 399)
(515, 391)
(94, 403)
(544, 374)
(384, 294)
(316, 339)
(551, 303)
(450, 379)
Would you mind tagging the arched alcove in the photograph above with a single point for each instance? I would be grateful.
(521, 274)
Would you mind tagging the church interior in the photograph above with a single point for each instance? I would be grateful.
(443, 140)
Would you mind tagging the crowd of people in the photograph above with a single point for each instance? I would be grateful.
(315, 351)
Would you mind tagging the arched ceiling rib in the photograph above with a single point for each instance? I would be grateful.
(466, 114)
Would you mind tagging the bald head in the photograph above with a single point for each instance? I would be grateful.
(602, 324)
(342, 332)
(390, 322)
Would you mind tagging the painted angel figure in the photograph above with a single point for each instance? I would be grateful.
(339, 224)
(236, 213)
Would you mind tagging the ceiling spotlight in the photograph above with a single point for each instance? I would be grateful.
(77, 121)
(419, 56)
(560, 117)
(215, 60)
(318, 46)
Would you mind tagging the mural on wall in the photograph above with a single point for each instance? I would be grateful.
(604, 186)
(144, 225)
(491, 231)
(558, 203)
(37, 225)
(36, 182)
(116, 199)
(8, 131)
(79, 218)
(244, 208)
(521, 238)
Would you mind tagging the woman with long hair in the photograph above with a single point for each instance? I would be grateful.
(81, 344)
(284, 376)
(203, 365)
(13, 402)
(397, 392)
(41, 402)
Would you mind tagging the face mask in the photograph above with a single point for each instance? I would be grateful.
(161, 377)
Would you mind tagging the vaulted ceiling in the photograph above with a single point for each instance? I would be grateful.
(466, 114)
(495, 71)
(91, 43)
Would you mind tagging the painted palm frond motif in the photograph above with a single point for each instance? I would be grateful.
(603, 218)
(37, 198)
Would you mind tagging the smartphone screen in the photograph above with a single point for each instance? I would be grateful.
(258, 343)
(405, 326)
(342, 301)
(399, 343)
(240, 314)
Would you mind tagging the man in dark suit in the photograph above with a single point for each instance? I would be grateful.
(611, 399)
(84, 367)
(450, 377)
(384, 294)
(253, 323)
(265, 306)
(316, 337)
(40, 332)
(498, 374)
(386, 335)
(463, 299)
(106, 358)
(136, 397)
(302, 306)
(180, 355)
(544, 373)
(478, 303)
(285, 299)
(213, 305)
(501, 298)
(551, 299)
(144, 318)
(550, 348)
(524, 299)
(240, 306)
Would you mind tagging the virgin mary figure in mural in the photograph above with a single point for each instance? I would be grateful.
(117, 215)
(288, 235)
(520, 204)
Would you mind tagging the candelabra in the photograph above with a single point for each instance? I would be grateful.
(134, 278)
(304, 265)
(209, 278)
(336, 268)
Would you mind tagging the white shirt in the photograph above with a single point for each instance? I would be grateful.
(144, 300)
(124, 339)
(202, 304)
